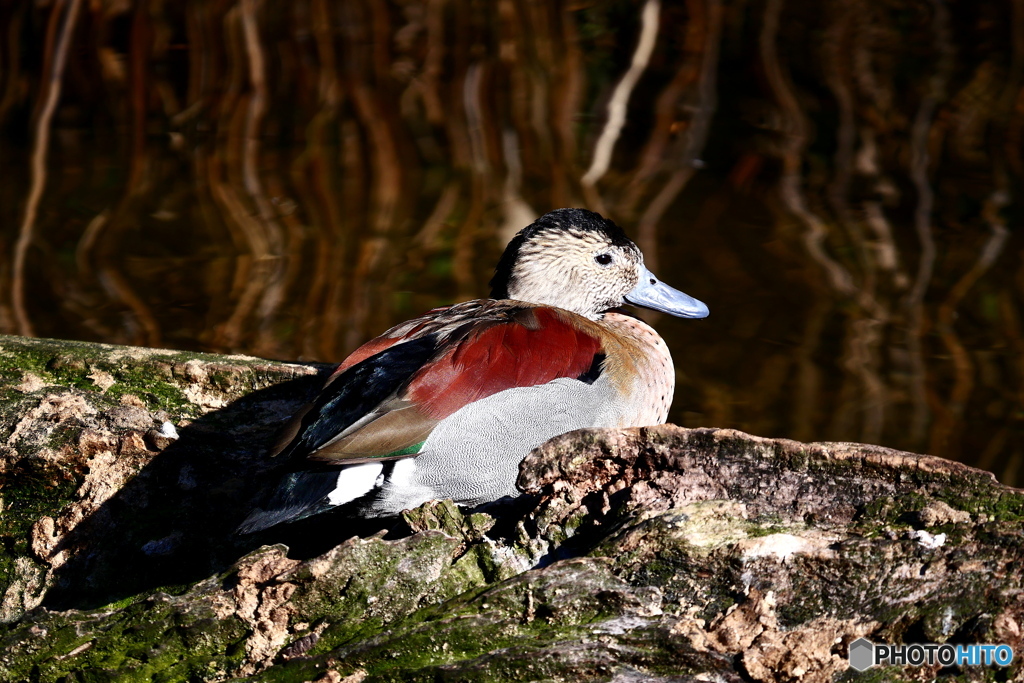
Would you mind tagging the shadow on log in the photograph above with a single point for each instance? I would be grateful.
(655, 554)
(174, 522)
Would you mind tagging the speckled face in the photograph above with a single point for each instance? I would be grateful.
(579, 270)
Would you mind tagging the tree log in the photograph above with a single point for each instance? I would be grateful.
(655, 554)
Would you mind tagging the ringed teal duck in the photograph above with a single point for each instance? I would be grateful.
(447, 405)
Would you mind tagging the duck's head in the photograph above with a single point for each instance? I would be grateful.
(578, 260)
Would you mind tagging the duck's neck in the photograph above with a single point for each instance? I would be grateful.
(646, 373)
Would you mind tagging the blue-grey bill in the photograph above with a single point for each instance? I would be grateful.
(652, 293)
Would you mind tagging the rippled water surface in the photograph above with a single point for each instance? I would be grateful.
(840, 181)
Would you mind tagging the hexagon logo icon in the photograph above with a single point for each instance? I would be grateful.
(862, 654)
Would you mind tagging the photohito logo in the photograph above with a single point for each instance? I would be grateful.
(864, 654)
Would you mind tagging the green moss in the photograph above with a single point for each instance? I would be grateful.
(552, 606)
(766, 525)
(34, 488)
(460, 647)
(861, 583)
(1002, 506)
(344, 631)
(122, 603)
(69, 364)
(150, 640)
(157, 395)
(977, 498)
(399, 659)
(887, 511)
(64, 435)
(374, 583)
(877, 674)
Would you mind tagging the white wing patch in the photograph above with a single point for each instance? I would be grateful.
(355, 481)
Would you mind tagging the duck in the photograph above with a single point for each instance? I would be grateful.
(447, 405)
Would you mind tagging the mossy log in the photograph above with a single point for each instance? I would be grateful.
(655, 554)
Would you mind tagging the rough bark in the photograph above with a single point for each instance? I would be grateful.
(662, 554)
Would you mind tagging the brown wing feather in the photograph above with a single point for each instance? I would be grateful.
(400, 425)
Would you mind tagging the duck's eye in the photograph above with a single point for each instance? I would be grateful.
(603, 259)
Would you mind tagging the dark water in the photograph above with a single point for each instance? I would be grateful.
(840, 181)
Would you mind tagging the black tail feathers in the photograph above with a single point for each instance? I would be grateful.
(298, 495)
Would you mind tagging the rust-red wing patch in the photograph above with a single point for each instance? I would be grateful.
(502, 355)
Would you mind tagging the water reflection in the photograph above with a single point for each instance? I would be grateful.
(839, 182)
